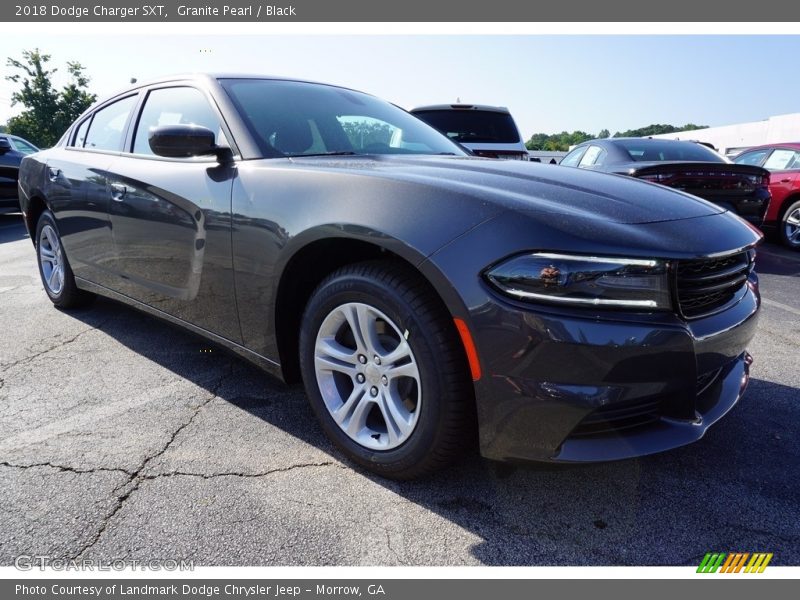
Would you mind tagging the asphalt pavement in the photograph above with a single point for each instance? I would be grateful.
(123, 437)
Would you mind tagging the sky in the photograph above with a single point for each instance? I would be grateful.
(550, 83)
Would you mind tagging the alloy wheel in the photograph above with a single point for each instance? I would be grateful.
(368, 376)
(51, 259)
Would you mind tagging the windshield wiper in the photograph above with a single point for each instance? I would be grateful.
(337, 153)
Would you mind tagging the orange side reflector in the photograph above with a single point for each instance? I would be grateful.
(469, 348)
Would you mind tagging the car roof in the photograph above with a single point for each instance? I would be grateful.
(209, 77)
(483, 107)
(645, 140)
(16, 137)
(791, 145)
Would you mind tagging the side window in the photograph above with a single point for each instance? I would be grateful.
(23, 147)
(781, 160)
(593, 156)
(573, 158)
(80, 135)
(175, 106)
(752, 158)
(108, 125)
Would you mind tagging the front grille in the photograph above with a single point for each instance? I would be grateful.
(706, 285)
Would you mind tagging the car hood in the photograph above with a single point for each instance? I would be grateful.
(525, 186)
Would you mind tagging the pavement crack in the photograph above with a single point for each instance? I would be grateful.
(5, 367)
(245, 475)
(134, 480)
(65, 468)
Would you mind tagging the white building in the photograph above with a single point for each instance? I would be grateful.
(732, 139)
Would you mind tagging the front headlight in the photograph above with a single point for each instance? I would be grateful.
(631, 283)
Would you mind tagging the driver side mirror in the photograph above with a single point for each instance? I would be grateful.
(5, 146)
(184, 141)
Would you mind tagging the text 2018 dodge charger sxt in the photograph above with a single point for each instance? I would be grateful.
(325, 234)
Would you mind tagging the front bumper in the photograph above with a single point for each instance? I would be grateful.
(564, 388)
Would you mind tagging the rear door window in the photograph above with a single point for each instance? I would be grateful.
(107, 129)
(573, 158)
(80, 135)
(782, 160)
(593, 156)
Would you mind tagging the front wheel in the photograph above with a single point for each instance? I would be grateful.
(790, 226)
(384, 370)
(54, 269)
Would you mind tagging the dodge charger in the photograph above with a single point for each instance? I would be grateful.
(428, 300)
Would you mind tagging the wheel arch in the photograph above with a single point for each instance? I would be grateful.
(790, 199)
(315, 260)
(36, 205)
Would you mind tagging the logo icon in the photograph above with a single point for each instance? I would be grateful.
(734, 562)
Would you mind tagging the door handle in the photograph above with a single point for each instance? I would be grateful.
(118, 192)
(787, 180)
(52, 174)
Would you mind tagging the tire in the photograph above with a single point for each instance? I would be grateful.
(399, 402)
(54, 269)
(789, 226)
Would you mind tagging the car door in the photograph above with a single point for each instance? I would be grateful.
(77, 189)
(171, 219)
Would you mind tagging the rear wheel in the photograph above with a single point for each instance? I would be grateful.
(789, 229)
(54, 269)
(384, 370)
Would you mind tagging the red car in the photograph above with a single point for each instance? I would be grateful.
(783, 163)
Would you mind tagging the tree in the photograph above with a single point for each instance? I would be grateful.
(604, 133)
(557, 141)
(364, 133)
(657, 129)
(48, 111)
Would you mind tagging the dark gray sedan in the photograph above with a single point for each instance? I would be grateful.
(683, 165)
(426, 298)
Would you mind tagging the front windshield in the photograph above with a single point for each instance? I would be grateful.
(291, 118)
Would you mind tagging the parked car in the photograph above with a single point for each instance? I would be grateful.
(783, 163)
(684, 165)
(488, 131)
(418, 292)
(12, 149)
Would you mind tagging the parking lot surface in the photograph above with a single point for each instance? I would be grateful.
(123, 437)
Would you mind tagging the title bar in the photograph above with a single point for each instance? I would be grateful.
(405, 11)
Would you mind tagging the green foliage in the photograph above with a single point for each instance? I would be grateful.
(558, 141)
(363, 134)
(48, 111)
(658, 129)
(562, 141)
(3, 129)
